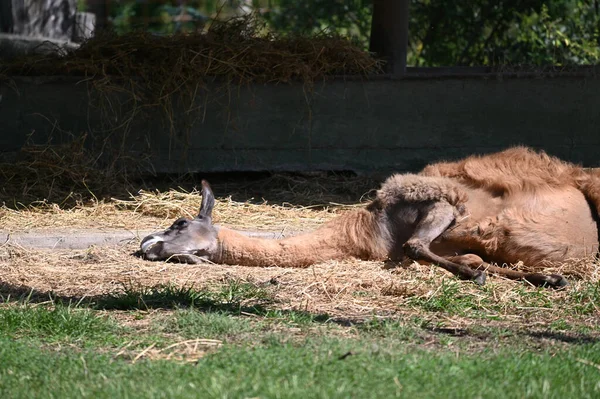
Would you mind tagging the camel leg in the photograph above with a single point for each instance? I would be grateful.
(434, 220)
(475, 262)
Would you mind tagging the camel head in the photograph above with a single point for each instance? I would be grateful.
(187, 240)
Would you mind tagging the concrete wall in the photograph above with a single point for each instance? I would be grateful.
(367, 126)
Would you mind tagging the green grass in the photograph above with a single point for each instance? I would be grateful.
(61, 350)
(192, 324)
(586, 299)
(446, 298)
(57, 323)
(450, 298)
(323, 367)
(217, 306)
(407, 330)
(231, 297)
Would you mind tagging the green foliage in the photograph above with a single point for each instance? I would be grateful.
(350, 18)
(162, 17)
(554, 39)
(559, 32)
(442, 33)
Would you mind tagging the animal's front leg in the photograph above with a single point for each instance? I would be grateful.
(537, 279)
(434, 219)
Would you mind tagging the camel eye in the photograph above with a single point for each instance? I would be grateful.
(181, 223)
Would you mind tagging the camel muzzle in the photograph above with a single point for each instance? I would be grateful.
(149, 242)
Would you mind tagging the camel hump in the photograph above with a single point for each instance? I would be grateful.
(413, 188)
(513, 170)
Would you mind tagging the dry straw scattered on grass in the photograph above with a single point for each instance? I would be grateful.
(150, 211)
(186, 351)
(351, 289)
(252, 213)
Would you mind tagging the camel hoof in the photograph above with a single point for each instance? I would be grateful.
(555, 281)
(479, 278)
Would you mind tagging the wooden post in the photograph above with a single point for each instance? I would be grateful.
(101, 9)
(6, 17)
(389, 33)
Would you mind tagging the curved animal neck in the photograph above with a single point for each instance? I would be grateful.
(356, 234)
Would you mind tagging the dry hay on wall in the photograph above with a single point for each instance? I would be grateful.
(140, 72)
(235, 50)
(66, 174)
(60, 186)
(151, 68)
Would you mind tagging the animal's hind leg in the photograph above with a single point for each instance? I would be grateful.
(475, 262)
(433, 221)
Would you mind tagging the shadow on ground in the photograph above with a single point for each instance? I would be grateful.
(256, 303)
(300, 189)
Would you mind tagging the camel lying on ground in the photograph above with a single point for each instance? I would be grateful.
(502, 208)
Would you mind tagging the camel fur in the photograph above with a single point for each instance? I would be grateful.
(513, 206)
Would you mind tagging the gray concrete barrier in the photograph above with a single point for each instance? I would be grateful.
(377, 125)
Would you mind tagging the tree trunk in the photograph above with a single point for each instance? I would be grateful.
(6, 19)
(389, 33)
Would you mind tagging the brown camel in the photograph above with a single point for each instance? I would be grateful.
(511, 206)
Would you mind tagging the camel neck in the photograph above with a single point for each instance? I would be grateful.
(355, 234)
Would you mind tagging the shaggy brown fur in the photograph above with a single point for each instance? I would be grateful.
(414, 188)
(517, 170)
(511, 206)
(538, 207)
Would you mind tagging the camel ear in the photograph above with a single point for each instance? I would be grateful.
(208, 201)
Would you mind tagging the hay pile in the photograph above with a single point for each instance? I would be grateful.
(66, 174)
(154, 74)
(281, 202)
(236, 50)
